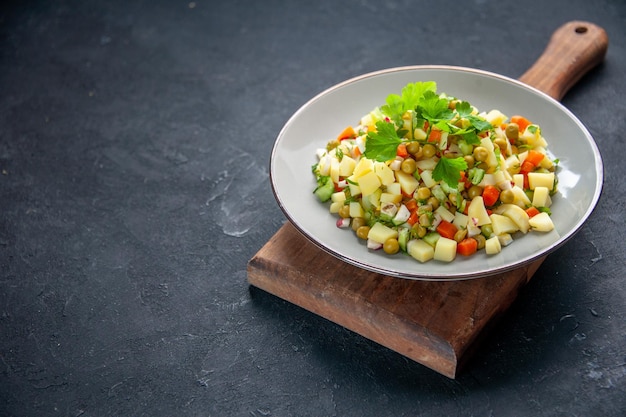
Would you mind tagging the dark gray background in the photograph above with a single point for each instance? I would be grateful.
(134, 147)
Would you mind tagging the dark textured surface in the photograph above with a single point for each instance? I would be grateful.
(134, 148)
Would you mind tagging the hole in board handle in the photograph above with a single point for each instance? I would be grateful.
(581, 30)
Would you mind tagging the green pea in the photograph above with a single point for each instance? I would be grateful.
(512, 131)
(474, 191)
(507, 196)
(391, 246)
(481, 241)
(428, 151)
(358, 222)
(413, 147)
(481, 153)
(362, 232)
(344, 211)
(423, 193)
(408, 166)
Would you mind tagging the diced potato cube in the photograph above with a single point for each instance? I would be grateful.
(369, 183)
(518, 179)
(373, 199)
(394, 188)
(445, 249)
(364, 166)
(384, 173)
(323, 166)
(390, 198)
(511, 164)
(502, 224)
(420, 250)
(334, 170)
(520, 197)
(541, 179)
(408, 183)
(356, 210)
(541, 197)
(477, 211)
(460, 220)
(427, 164)
(419, 134)
(445, 214)
(427, 177)
(336, 206)
(492, 160)
(546, 163)
(346, 166)
(472, 229)
(380, 233)
(488, 179)
(339, 196)
(532, 136)
(354, 189)
(515, 213)
(541, 222)
(505, 239)
(493, 246)
(499, 177)
(495, 117)
(487, 143)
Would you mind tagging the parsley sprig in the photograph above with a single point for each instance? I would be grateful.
(449, 170)
(397, 105)
(426, 105)
(382, 144)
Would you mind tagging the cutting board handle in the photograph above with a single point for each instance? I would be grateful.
(573, 50)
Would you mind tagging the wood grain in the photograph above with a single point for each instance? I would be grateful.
(434, 323)
(573, 50)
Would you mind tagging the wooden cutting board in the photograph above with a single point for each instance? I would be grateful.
(436, 324)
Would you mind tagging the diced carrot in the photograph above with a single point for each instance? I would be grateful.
(466, 181)
(521, 121)
(490, 195)
(405, 195)
(527, 167)
(467, 246)
(532, 211)
(411, 205)
(446, 229)
(534, 157)
(401, 151)
(413, 218)
(347, 133)
(435, 135)
(356, 151)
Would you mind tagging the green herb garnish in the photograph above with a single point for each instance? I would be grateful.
(449, 170)
(382, 145)
(397, 105)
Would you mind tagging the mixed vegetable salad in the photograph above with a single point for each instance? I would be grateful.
(430, 175)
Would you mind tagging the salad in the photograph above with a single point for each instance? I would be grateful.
(431, 176)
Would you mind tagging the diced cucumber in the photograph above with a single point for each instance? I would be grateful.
(432, 238)
(403, 238)
(325, 189)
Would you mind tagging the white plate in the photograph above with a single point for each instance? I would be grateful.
(323, 117)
